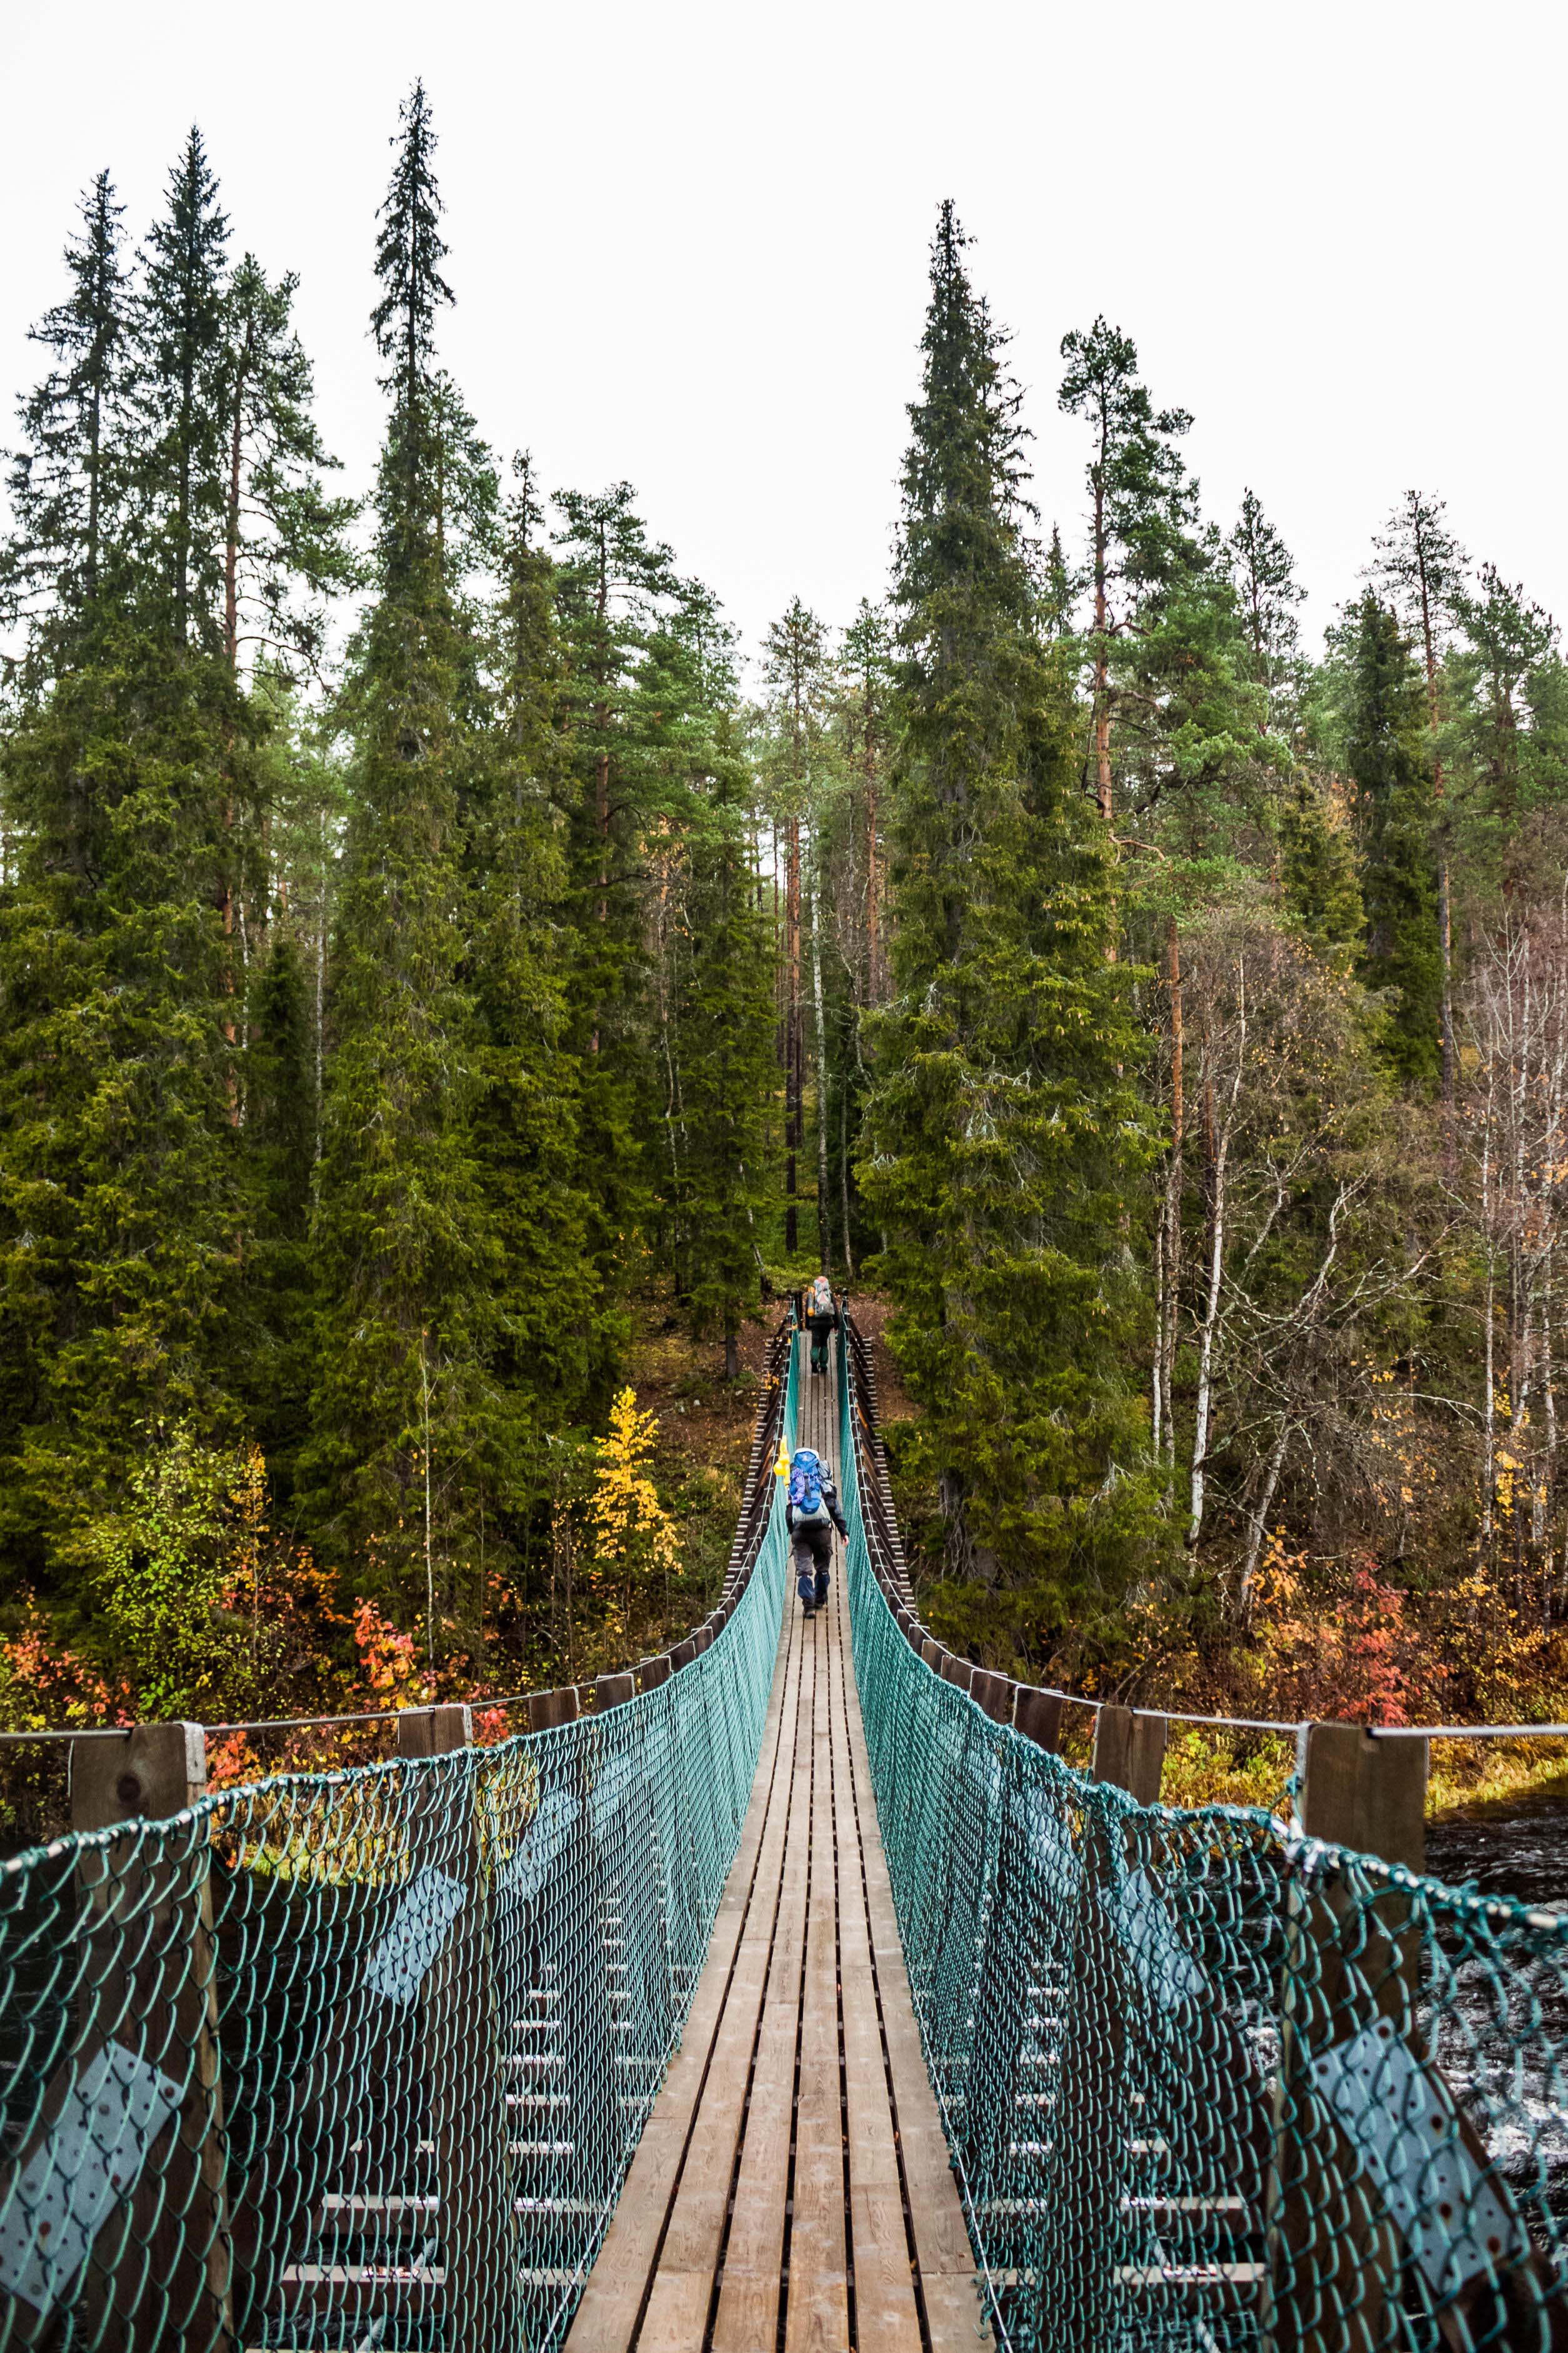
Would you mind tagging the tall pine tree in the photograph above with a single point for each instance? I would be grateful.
(115, 771)
(1388, 756)
(404, 1250)
(1003, 1132)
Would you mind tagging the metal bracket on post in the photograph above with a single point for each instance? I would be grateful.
(462, 2053)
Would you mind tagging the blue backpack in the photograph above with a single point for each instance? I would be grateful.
(805, 1481)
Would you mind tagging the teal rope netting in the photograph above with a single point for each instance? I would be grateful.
(1207, 2083)
(360, 2058)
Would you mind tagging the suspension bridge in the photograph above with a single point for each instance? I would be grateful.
(789, 1991)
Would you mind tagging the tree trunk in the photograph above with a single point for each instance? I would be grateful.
(792, 1034)
(1156, 1426)
(844, 1180)
(1219, 1155)
(823, 1195)
(873, 914)
(1488, 1399)
(1174, 1177)
(602, 823)
(1445, 894)
(1101, 666)
(1261, 1516)
(1207, 1341)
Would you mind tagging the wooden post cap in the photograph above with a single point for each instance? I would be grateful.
(1364, 1793)
(157, 1771)
(547, 1709)
(433, 1731)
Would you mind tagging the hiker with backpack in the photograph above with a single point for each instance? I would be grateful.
(821, 1320)
(812, 1511)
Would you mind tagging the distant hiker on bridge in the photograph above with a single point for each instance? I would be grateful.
(821, 1320)
(811, 1513)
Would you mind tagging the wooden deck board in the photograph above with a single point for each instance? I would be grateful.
(753, 2258)
(760, 2160)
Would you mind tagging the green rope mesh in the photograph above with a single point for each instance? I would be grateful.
(360, 2058)
(1206, 2081)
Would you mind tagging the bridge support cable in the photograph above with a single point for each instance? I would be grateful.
(1207, 2080)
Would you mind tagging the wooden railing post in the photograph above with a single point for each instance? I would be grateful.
(1130, 1751)
(1037, 1714)
(1334, 2266)
(549, 1709)
(462, 2053)
(993, 1693)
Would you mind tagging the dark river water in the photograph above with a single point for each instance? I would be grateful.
(1519, 1849)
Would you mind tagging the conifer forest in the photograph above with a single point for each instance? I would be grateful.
(439, 964)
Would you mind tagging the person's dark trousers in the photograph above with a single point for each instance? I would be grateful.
(812, 1563)
(820, 1333)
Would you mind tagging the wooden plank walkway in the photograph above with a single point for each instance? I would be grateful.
(791, 2192)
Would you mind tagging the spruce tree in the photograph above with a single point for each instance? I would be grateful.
(864, 663)
(1163, 652)
(284, 549)
(796, 675)
(1420, 568)
(1142, 504)
(281, 1132)
(1505, 644)
(1264, 572)
(1388, 759)
(724, 1019)
(619, 787)
(114, 784)
(1318, 868)
(717, 982)
(1003, 1132)
(403, 1251)
(557, 1333)
(68, 478)
(181, 321)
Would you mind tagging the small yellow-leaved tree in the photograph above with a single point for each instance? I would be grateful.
(635, 1541)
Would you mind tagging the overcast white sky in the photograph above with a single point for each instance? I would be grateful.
(688, 241)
